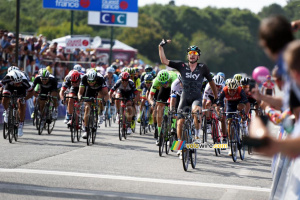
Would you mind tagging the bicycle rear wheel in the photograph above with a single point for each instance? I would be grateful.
(233, 142)
(124, 125)
(142, 123)
(94, 129)
(216, 136)
(120, 127)
(90, 127)
(11, 125)
(43, 118)
(185, 151)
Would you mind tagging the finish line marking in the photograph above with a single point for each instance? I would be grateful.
(131, 178)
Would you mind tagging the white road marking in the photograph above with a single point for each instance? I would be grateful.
(138, 179)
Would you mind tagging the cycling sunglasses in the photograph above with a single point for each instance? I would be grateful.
(148, 81)
(164, 83)
(91, 81)
(193, 53)
(44, 79)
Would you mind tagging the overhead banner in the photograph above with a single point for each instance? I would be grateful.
(93, 5)
(80, 42)
(113, 19)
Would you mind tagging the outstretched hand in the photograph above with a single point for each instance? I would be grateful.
(164, 42)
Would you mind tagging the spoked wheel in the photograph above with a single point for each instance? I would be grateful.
(11, 125)
(193, 153)
(216, 137)
(142, 123)
(204, 128)
(185, 151)
(51, 126)
(90, 128)
(37, 119)
(42, 123)
(5, 130)
(241, 145)
(169, 138)
(16, 133)
(124, 125)
(94, 130)
(233, 142)
(161, 143)
(73, 128)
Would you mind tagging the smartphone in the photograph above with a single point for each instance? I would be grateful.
(252, 84)
(255, 142)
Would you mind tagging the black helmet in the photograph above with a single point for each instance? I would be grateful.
(194, 48)
(245, 81)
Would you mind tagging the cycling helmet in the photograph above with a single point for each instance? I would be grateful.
(245, 81)
(110, 70)
(77, 68)
(233, 84)
(136, 70)
(237, 77)
(131, 71)
(219, 80)
(148, 69)
(44, 73)
(91, 75)
(163, 76)
(114, 66)
(125, 76)
(228, 81)
(148, 77)
(16, 76)
(194, 48)
(154, 74)
(75, 76)
(12, 68)
(221, 74)
(125, 69)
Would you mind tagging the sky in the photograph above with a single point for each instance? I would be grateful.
(253, 5)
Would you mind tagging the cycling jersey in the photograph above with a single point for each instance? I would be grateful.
(157, 85)
(268, 85)
(110, 82)
(50, 86)
(143, 88)
(208, 93)
(100, 83)
(137, 82)
(127, 91)
(239, 96)
(74, 88)
(176, 88)
(9, 86)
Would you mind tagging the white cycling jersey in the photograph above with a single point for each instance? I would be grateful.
(208, 91)
(176, 88)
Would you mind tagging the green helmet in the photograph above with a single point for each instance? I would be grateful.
(163, 76)
(131, 71)
(44, 73)
(237, 77)
(125, 69)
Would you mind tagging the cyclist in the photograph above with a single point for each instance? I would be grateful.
(221, 74)
(145, 89)
(47, 83)
(236, 100)
(92, 83)
(246, 87)
(72, 84)
(14, 81)
(148, 70)
(176, 91)
(163, 83)
(204, 83)
(268, 87)
(192, 75)
(125, 88)
(134, 78)
(209, 100)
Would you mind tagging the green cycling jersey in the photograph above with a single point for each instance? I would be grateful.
(156, 84)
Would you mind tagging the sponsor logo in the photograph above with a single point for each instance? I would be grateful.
(191, 75)
(72, 3)
(114, 4)
(113, 18)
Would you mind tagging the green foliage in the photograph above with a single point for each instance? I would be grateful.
(227, 37)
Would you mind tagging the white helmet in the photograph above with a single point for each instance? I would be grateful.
(219, 80)
(16, 76)
(12, 68)
(77, 68)
(91, 75)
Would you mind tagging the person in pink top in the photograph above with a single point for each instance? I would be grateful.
(268, 87)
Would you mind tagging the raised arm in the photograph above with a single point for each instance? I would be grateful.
(161, 51)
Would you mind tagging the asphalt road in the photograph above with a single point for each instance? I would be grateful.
(51, 167)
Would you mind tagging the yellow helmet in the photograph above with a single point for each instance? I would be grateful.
(49, 69)
(237, 77)
(233, 84)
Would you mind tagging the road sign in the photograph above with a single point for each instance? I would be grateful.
(126, 19)
(93, 5)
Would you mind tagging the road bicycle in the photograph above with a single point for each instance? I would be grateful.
(75, 124)
(144, 125)
(92, 125)
(46, 119)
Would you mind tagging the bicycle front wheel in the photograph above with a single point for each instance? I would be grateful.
(11, 125)
(241, 145)
(185, 151)
(5, 130)
(94, 129)
(73, 128)
(216, 137)
(193, 153)
(204, 128)
(233, 142)
(43, 120)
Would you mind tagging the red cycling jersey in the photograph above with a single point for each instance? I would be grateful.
(235, 97)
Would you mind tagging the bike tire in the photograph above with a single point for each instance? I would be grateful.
(73, 128)
(142, 123)
(37, 120)
(94, 129)
(5, 130)
(16, 133)
(89, 129)
(204, 129)
(43, 120)
(241, 145)
(216, 136)
(51, 126)
(185, 151)
(233, 142)
(11, 125)
(161, 143)
(124, 125)
(193, 154)
(120, 125)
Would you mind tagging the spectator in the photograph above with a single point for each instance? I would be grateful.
(3, 70)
